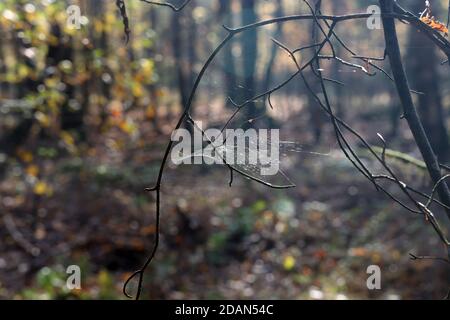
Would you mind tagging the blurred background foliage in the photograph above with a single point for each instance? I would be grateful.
(84, 119)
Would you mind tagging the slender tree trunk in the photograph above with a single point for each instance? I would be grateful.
(11, 140)
(58, 52)
(421, 59)
(225, 13)
(273, 54)
(178, 49)
(3, 84)
(191, 45)
(340, 94)
(403, 89)
(153, 17)
(249, 53)
(317, 117)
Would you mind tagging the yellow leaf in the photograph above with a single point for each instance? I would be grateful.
(32, 170)
(358, 252)
(289, 263)
(146, 67)
(43, 119)
(127, 126)
(104, 278)
(40, 188)
(67, 138)
(137, 89)
(24, 155)
(150, 112)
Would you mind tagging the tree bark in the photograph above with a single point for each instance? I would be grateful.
(273, 54)
(317, 117)
(410, 113)
(229, 61)
(177, 53)
(250, 53)
(421, 60)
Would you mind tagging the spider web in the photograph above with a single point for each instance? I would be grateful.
(240, 163)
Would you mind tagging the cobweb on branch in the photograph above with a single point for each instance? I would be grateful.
(240, 157)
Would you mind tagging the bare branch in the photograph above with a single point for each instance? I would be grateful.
(168, 4)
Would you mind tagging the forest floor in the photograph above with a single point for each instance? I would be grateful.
(311, 242)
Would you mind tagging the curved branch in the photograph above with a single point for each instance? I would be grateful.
(169, 5)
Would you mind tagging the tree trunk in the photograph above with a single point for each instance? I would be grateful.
(403, 89)
(317, 117)
(273, 54)
(191, 45)
(225, 13)
(422, 60)
(177, 48)
(249, 53)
